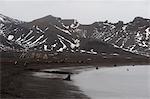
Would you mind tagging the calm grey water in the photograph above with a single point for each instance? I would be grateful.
(126, 82)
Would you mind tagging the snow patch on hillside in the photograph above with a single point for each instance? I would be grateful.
(65, 31)
(63, 45)
(147, 33)
(72, 45)
(10, 37)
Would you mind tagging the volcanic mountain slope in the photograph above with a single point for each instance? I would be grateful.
(133, 36)
(7, 27)
(56, 35)
(47, 34)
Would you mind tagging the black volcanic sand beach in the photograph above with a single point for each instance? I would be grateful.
(19, 83)
(17, 80)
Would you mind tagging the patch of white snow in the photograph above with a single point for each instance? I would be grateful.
(10, 37)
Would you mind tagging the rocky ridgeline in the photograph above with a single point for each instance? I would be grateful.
(56, 35)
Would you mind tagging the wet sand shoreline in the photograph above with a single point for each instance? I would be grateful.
(18, 83)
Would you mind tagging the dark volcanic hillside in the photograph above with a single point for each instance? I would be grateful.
(133, 36)
(55, 35)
